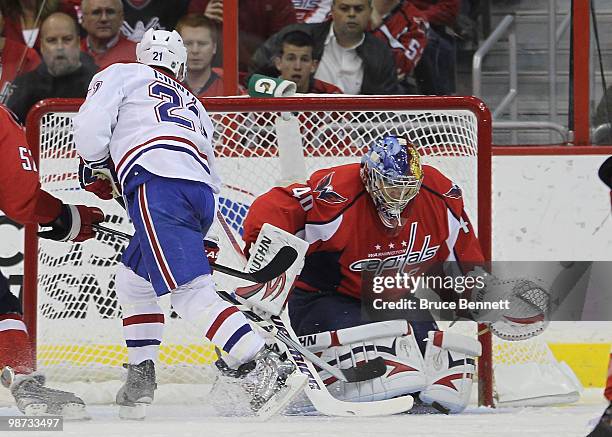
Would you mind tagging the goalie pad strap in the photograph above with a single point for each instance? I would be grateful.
(356, 334)
(458, 343)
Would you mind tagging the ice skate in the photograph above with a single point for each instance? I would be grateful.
(269, 379)
(34, 399)
(137, 392)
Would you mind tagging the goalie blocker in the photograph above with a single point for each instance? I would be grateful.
(441, 378)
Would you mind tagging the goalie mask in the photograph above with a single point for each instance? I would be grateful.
(163, 49)
(392, 174)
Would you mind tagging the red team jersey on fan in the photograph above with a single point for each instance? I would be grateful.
(21, 197)
(335, 214)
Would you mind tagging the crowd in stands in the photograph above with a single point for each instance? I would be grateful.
(52, 48)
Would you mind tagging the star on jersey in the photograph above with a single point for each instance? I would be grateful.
(391, 245)
(404, 244)
(325, 191)
(377, 247)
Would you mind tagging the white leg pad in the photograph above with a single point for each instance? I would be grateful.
(405, 367)
(450, 367)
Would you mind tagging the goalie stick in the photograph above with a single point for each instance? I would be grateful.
(315, 389)
(281, 261)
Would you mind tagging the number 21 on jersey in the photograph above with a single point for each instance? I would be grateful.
(171, 101)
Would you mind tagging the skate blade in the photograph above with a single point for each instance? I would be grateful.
(74, 412)
(136, 412)
(293, 386)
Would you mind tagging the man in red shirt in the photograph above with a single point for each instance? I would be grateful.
(23, 200)
(296, 63)
(104, 42)
(200, 36)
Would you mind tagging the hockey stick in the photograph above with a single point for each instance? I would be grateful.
(366, 371)
(281, 261)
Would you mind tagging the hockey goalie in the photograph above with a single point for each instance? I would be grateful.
(353, 213)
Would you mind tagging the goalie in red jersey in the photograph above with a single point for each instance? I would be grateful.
(23, 200)
(388, 214)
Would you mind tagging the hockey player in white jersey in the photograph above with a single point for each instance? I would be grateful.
(158, 135)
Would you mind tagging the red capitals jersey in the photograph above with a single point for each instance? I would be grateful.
(21, 197)
(335, 214)
(404, 30)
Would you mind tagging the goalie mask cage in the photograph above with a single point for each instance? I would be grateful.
(70, 306)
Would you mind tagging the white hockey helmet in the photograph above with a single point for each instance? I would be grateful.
(163, 49)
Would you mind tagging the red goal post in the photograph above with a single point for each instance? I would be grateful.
(451, 132)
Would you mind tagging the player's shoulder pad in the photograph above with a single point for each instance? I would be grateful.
(336, 186)
(437, 184)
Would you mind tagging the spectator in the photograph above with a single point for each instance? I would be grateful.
(200, 36)
(102, 20)
(296, 63)
(401, 25)
(355, 61)
(63, 73)
(257, 21)
(23, 18)
(142, 15)
(14, 59)
(435, 72)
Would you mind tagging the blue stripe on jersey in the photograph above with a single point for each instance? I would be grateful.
(141, 343)
(163, 146)
(235, 338)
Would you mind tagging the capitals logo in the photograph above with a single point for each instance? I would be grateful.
(454, 192)
(325, 191)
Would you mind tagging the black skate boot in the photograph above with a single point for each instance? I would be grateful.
(271, 380)
(34, 399)
(604, 427)
(137, 392)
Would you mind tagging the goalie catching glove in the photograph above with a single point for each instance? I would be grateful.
(514, 309)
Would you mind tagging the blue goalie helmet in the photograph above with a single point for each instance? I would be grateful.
(392, 174)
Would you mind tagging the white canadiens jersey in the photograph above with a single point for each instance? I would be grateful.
(141, 116)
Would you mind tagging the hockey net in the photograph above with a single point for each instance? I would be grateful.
(70, 303)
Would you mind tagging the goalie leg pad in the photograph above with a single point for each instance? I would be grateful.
(143, 318)
(219, 321)
(450, 366)
(393, 341)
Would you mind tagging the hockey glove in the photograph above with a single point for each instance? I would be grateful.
(99, 179)
(514, 309)
(73, 223)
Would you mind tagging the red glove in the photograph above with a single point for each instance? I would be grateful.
(73, 223)
(212, 250)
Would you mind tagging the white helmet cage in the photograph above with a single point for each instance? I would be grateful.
(163, 49)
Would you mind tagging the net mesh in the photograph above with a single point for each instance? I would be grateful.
(79, 317)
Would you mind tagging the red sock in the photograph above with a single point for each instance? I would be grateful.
(608, 392)
(15, 349)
